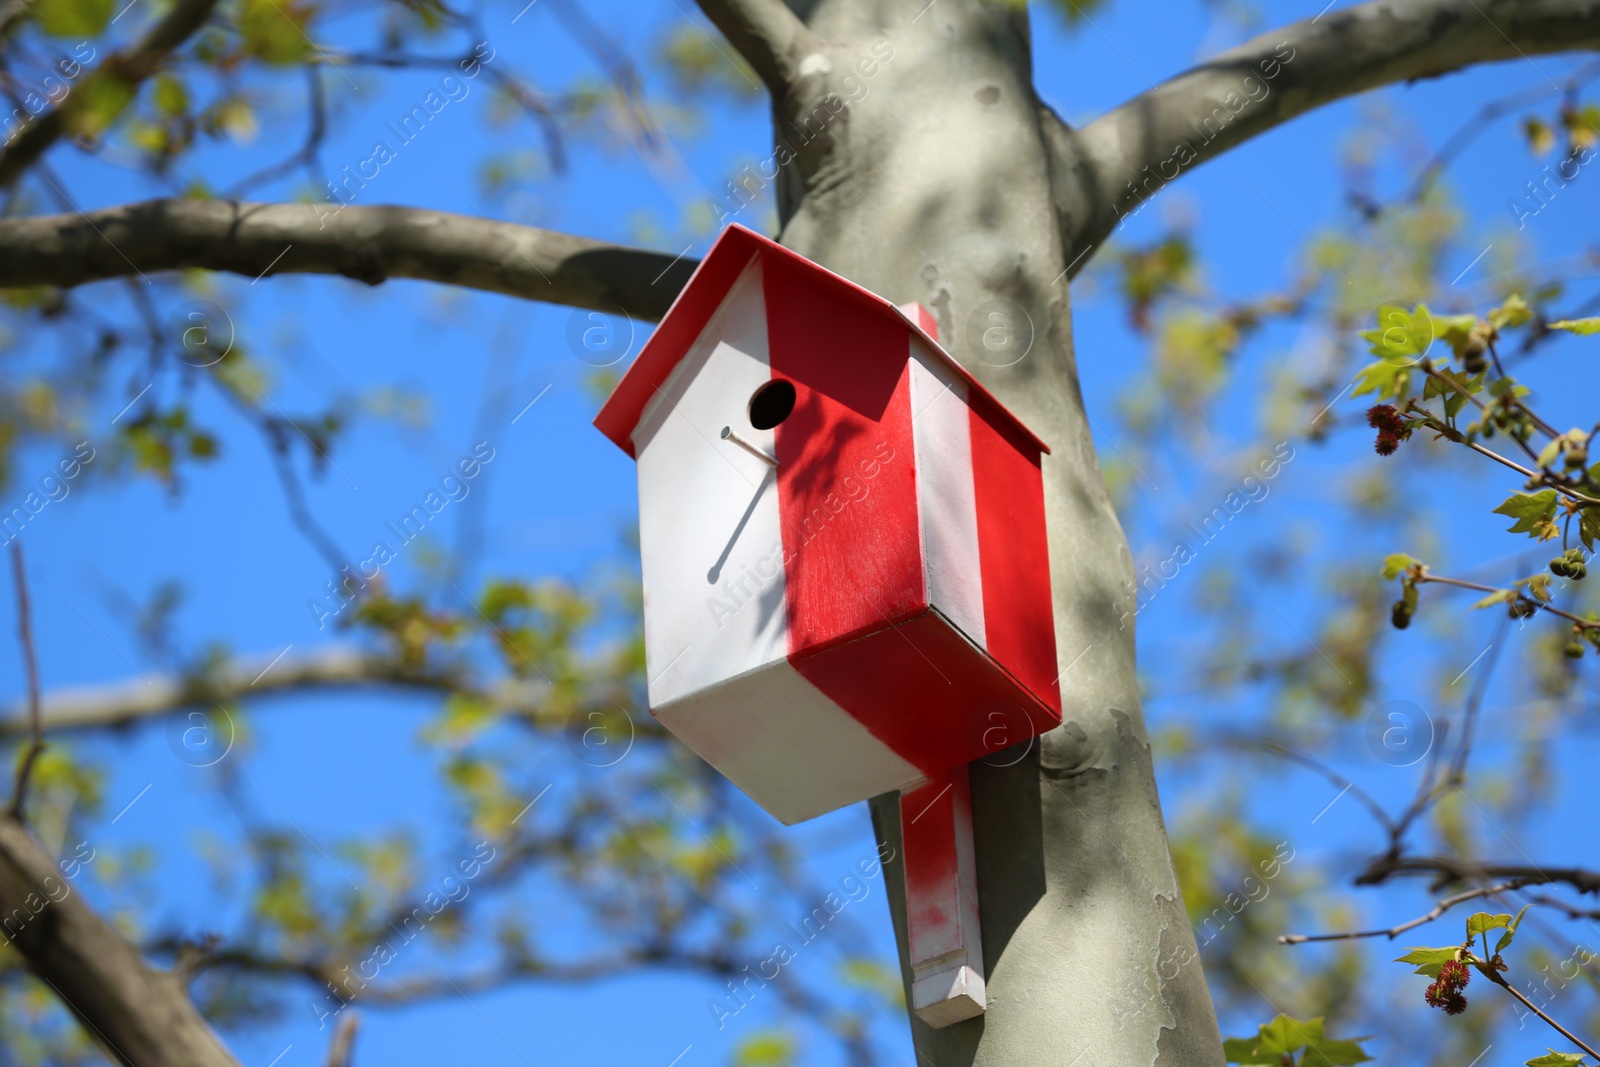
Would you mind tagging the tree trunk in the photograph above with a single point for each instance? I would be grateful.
(933, 185)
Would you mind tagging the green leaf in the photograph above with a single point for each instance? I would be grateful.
(1550, 453)
(1539, 586)
(73, 18)
(767, 1048)
(1499, 596)
(1397, 562)
(1402, 337)
(1453, 328)
(1541, 138)
(1482, 922)
(1383, 380)
(1514, 312)
(274, 31)
(1511, 932)
(1589, 525)
(1581, 327)
(1428, 960)
(1331, 1053)
(96, 104)
(1535, 513)
(1552, 1058)
(1286, 1034)
(1503, 386)
(1243, 1050)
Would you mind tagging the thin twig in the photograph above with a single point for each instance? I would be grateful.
(30, 662)
(1562, 906)
(1433, 423)
(1469, 714)
(344, 1040)
(1393, 932)
(1587, 624)
(1494, 976)
(1336, 778)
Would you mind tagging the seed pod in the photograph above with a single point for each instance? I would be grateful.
(1560, 567)
(1577, 458)
(1574, 649)
(1521, 608)
(1400, 615)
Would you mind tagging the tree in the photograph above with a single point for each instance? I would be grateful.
(912, 155)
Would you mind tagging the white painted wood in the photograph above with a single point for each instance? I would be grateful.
(778, 738)
(946, 504)
(695, 490)
(717, 652)
(949, 996)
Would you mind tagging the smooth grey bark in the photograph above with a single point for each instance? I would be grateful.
(368, 244)
(947, 201)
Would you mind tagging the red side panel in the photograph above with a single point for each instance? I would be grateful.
(1014, 556)
(927, 692)
(847, 491)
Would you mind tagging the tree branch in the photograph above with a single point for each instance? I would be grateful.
(344, 1039)
(139, 1015)
(1393, 932)
(30, 662)
(339, 667)
(130, 68)
(336, 668)
(369, 244)
(768, 35)
(1447, 870)
(1105, 170)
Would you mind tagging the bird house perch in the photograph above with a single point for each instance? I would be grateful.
(846, 579)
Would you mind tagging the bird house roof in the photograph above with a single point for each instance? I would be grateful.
(707, 288)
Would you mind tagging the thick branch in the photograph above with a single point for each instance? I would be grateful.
(332, 669)
(369, 244)
(30, 662)
(768, 35)
(138, 1015)
(1446, 870)
(124, 703)
(1106, 169)
(130, 68)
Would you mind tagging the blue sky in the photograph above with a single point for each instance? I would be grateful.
(562, 496)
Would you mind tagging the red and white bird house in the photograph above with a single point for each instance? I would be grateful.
(846, 578)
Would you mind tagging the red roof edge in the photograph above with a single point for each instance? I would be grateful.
(686, 319)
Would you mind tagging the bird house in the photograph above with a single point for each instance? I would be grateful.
(846, 580)
(846, 577)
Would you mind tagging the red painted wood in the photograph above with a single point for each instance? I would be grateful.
(922, 318)
(925, 691)
(699, 300)
(930, 815)
(847, 491)
(1014, 555)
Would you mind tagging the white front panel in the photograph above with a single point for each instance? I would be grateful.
(946, 505)
(714, 604)
(790, 748)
